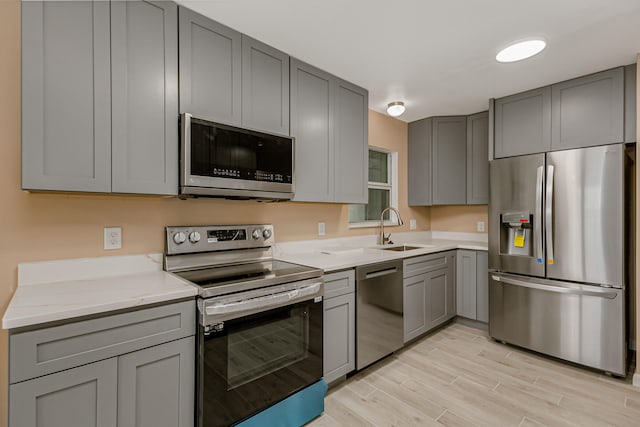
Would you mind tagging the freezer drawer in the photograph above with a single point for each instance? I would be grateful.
(579, 323)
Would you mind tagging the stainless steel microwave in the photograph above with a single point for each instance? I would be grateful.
(218, 160)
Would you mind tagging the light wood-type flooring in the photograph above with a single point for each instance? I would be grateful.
(458, 376)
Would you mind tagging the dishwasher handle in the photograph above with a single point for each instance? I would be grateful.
(380, 273)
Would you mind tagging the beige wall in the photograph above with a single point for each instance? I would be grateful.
(462, 219)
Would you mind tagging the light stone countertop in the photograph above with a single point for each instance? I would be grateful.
(60, 290)
(339, 254)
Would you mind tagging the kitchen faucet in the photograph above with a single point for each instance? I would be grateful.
(387, 239)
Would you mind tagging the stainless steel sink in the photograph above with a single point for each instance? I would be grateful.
(401, 248)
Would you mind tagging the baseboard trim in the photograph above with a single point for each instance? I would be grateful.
(472, 323)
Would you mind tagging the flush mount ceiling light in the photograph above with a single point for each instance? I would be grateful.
(521, 50)
(394, 109)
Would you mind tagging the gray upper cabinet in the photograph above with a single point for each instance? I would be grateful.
(66, 99)
(449, 158)
(350, 143)
(210, 69)
(144, 69)
(84, 396)
(329, 120)
(265, 87)
(478, 159)
(312, 125)
(588, 110)
(155, 386)
(420, 163)
(100, 85)
(523, 123)
(630, 118)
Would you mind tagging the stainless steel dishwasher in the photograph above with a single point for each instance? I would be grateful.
(379, 311)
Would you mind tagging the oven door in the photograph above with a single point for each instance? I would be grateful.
(247, 364)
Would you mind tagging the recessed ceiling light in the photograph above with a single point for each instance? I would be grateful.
(520, 50)
(394, 109)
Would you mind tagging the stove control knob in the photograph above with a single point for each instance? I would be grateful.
(179, 238)
(256, 233)
(266, 233)
(194, 237)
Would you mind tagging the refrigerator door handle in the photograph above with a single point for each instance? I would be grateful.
(555, 288)
(549, 215)
(537, 230)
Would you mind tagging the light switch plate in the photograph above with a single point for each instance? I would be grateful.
(321, 229)
(112, 238)
(412, 224)
(480, 226)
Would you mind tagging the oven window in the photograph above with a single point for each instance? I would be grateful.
(221, 152)
(258, 350)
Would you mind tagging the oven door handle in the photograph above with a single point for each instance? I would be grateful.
(263, 303)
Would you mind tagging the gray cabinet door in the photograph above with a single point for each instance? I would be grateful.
(144, 67)
(351, 143)
(630, 118)
(449, 150)
(478, 159)
(66, 105)
(588, 111)
(339, 336)
(452, 291)
(439, 295)
(265, 87)
(523, 123)
(482, 286)
(415, 300)
(419, 163)
(466, 275)
(312, 126)
(210, 69)
(156, 386)
(78, 397)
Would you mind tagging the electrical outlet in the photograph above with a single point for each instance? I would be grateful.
(412, 224)
(480, 226)
(321, 229)
(112, 238)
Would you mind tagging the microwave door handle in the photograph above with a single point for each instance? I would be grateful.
(549, 215)
(185, 146)
(537, 231)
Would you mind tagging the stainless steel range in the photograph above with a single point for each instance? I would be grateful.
(260, 320)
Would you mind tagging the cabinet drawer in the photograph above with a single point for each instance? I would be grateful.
(424, 264)
(44, 351)
(340, 283)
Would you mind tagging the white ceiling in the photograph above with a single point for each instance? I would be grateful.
(439, 56)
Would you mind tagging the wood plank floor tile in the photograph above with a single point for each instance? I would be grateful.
(459, 376)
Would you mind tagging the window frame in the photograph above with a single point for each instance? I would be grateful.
(392, 186)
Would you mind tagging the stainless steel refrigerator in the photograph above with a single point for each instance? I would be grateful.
(559, 253)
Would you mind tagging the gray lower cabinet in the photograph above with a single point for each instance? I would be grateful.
(523, 123)
(478, 159)
(449, 159)
(99, 89)
(85, 396)
(339, 329)
(472, 285)
(429, 293)
(588, 111)
(128, 369)
(330, 123)
(144, 96)
(66, 96)
(156, 386)
(210, 69)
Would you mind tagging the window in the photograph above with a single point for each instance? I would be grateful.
(383, 191)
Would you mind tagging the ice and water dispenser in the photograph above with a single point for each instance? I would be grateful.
(516, 233)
